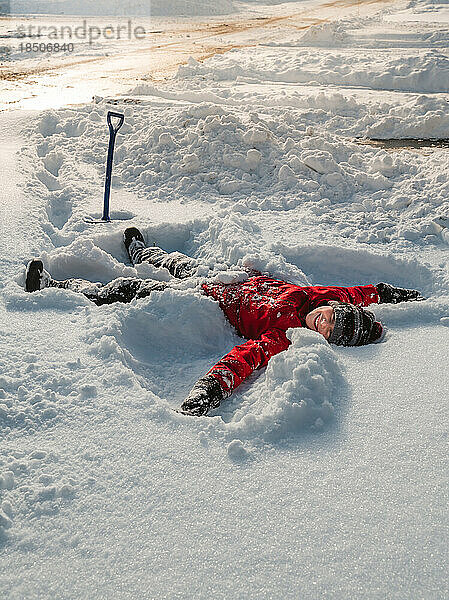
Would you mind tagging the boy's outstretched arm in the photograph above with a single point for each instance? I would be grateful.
(231, 370)
(364, 295)
(393, 295)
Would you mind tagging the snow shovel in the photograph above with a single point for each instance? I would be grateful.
(113, 130)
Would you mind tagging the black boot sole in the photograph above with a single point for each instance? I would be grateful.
(130, 234)
(33, 276)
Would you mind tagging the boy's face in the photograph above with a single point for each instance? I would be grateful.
(321, 319)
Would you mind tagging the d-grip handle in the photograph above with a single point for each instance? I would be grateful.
(112, 133)
(114, 128)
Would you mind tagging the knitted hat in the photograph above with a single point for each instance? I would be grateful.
(354, 326)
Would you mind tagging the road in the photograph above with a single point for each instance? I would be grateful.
(108, 67)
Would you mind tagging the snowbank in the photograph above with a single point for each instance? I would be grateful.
(297, 393)
(427, 72)
(326, 34)
(270, 159)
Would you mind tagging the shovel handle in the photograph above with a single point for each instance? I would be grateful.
(114, 128)
(112, 133)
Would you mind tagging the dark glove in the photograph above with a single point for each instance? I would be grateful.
(389, 294)
(206, 394)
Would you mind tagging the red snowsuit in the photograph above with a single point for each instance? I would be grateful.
(262, 309)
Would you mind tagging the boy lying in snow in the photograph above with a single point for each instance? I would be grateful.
(260, 308)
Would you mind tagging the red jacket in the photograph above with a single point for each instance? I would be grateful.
(262, 309)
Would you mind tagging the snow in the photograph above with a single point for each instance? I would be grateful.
(298, 392)
(325, 474)
(423, 11)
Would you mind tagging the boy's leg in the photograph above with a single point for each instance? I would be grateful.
(178, 264)
(87, 288)
(122, 289)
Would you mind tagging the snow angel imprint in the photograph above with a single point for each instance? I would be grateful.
(261, 309)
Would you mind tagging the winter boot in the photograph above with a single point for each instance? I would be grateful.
(133, 240)
(37, 277)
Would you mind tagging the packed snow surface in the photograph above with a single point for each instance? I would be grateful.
(325, 474)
